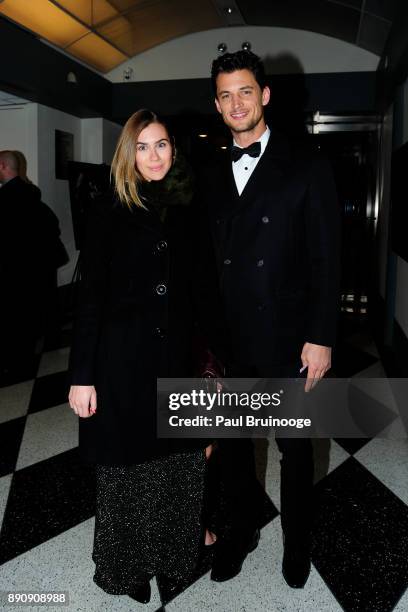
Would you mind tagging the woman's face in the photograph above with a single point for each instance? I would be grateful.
(153, 152)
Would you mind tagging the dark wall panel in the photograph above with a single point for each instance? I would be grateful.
(37, 72)
(340, 92)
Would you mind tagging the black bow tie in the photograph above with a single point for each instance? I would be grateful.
(254, 150)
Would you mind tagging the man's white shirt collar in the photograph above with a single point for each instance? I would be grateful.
(263, 140)
(243, 168)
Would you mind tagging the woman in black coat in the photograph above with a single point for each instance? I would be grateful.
(133, 325)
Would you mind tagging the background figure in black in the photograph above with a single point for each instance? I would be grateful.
(274, 222)
(30, 253)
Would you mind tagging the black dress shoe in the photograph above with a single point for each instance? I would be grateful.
(141, 592)
(296, 566)
(229, 558)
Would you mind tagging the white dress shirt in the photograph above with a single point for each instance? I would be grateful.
(244, 167)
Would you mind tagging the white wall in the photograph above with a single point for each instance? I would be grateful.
(92, 140)
(190, 56)
(30, 128)
(55, 192)
(18, 132)
(111, 132)
(98, 140)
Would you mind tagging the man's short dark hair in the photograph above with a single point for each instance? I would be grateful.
(240, 60)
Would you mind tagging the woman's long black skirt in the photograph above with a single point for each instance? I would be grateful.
(148, 521)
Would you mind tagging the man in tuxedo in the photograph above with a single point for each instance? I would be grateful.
(274, 222)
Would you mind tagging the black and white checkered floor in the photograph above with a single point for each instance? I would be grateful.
(360, 560)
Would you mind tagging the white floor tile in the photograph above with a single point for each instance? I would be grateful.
(402, 605)
(14, 400)
(388, 461)
(267, 458)
(259, 587)
(54, 361)
(48, 433)
(64, 564)
(328, 455)
(5, 483)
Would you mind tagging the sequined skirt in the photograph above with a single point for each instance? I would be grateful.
(148, 521)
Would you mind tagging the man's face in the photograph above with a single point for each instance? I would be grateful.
(240, 100)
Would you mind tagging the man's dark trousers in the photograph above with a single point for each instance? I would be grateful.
(243, 504)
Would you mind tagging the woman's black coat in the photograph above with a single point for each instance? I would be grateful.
(133, 325)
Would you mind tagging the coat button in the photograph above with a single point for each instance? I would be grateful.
(265, 219)
(161, 289)
(260, 263)
(161, 246)
(227, 262)
(160, 332)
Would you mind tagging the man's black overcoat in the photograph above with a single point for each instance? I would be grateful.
(29, 238)
(277, 251)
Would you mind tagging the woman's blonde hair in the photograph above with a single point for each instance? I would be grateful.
(124, 172)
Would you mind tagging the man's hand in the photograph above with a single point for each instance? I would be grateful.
(317, 358)
(82, 400)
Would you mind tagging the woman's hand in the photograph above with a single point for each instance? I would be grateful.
(82, 400)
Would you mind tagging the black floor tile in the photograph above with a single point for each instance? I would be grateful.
(24, 371)
(46, 499)
(49, 391)
(59, 340)
(352, 445)
(11, 434)
(361, 539)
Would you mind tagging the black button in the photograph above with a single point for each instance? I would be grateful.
(227, 262)
(162, 245)
(265, 219)
(260, 263)
(160, 332)
(161, 289)
(246, 168)
(261, 307)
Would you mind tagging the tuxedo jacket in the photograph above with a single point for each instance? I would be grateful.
(277, 252)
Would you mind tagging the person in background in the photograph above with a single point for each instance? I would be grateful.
(134, 324)
(30, 253)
